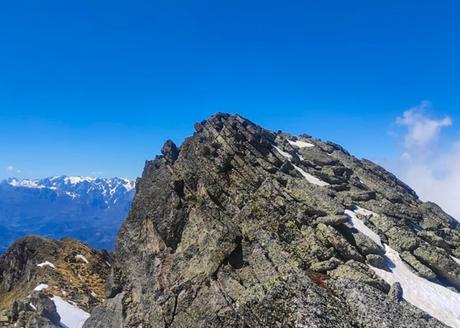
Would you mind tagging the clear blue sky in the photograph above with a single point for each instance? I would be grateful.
(97, 86)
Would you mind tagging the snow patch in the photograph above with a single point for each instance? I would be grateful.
(81, 257)
(301, 144)
(363, 211)
(283, 153)
(360, 226)
(71, 316)
(33, 307)
(436, 300)
(77, 180)
(40, 287)
(46, 263)
(456, 259)
(71, 194)
(25, 183)
(310, 178)
(129, 185)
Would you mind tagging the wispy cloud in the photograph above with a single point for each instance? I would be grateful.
(421, 129)
(433, 171)
(11, 168)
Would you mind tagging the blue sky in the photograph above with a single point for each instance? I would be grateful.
(95, 87)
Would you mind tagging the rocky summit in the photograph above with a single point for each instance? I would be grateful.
(49, 283)
(245, 227)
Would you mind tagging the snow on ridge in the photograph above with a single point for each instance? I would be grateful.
(456, 259)
(359, 225)
(283, 153)
(46, 263)
(310, 178)
(363, 211)
(71, 186)
(301, 144)
(129, 184)
(40, 287)
(81, 257)
(72, 195)
(25, 183)
(436, 300)
(78, 179)
(71, 315)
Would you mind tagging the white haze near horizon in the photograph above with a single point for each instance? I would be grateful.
(429, 163)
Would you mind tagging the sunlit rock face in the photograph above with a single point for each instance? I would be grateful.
(245, 227)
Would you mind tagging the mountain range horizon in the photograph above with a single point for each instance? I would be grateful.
(86, 208)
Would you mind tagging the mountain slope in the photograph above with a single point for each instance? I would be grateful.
(49, 283)
(90, 209)
(243, 227)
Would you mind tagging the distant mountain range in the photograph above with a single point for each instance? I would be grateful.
(90, 209)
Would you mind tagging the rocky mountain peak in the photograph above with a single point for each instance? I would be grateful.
(245, 227)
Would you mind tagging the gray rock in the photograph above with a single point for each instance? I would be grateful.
(419, 268)
(333, 220)
(396, 292)
(109, 315)
(377, 261)
(226, 232)
(325, 266)
(440, 262)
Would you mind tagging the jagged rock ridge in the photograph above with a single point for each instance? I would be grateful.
(244, 227)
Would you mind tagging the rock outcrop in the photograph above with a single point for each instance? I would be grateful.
(244, 227)
(37, 274)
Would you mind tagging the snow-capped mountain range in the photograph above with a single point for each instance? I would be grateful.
(87, 208)
(74, 186)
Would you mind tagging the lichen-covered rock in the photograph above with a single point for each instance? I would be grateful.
(356, 271)
(35, 311)
(421, 269)
(244, 227)
(327, 265)
(330, 236)
(365, 245)
(440, 262)
(109, 315)
(402, 238)
(377, 261)
(333, 220)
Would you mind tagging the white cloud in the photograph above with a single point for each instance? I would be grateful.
(422, 130)
(432, 171)
(11, 168)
